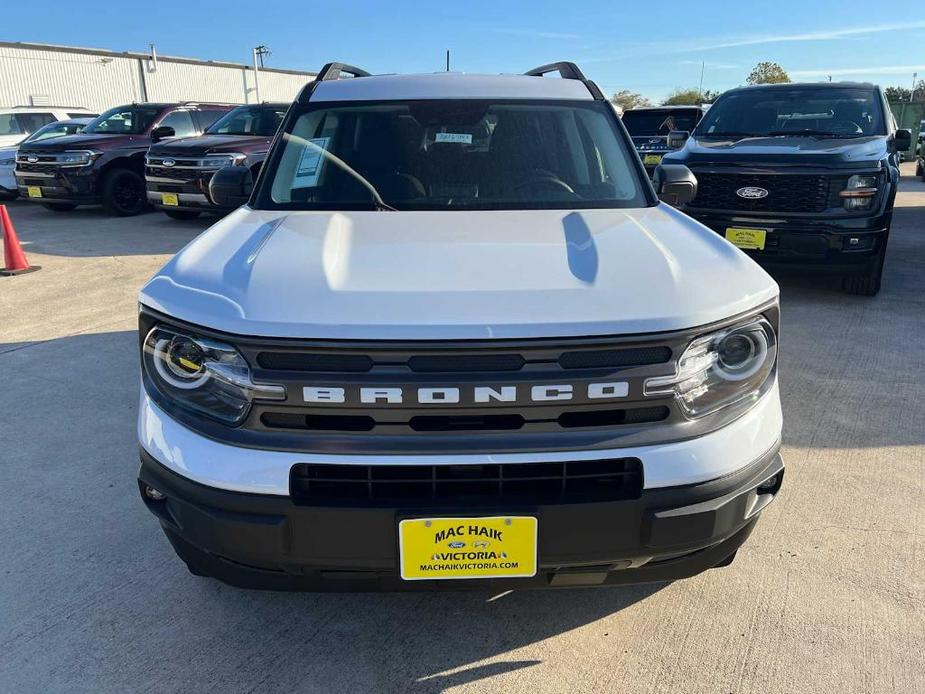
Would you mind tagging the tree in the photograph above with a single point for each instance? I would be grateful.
(626, 100)
(895, 94)
(683, 97)
(767, 72)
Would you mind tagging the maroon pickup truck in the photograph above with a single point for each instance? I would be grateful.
(178, 172)
(105, 163)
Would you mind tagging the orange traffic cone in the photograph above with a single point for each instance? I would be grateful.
(15, 259)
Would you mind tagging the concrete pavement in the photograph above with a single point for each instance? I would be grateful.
(828, 595)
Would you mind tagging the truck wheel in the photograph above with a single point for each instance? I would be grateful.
(60, 206)
(181, 214)
(868, 283)
(124, 193)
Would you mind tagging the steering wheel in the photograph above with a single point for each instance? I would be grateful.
(546, 181)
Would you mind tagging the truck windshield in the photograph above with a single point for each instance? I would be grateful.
(123, 120)
(454, 154)
(660, 122)
(249, 120)
(838, 112)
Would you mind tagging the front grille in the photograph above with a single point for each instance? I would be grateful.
(22, 167)
(787, 193)
(319, 484)
(176, 174)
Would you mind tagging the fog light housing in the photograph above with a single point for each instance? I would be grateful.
(153, 494)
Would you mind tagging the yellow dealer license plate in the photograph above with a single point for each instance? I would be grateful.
(652, 159)
(34, 191)
(170, 199)
(751, 239)
(495, 547)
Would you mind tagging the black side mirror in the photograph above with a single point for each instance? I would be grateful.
(231, 186)
(677, 138)
(162, 132)
(675, 184)
(902, 139)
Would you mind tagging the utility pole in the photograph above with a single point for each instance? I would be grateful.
(447, 59)
(256, 76)
(915, 78)
(703, 64)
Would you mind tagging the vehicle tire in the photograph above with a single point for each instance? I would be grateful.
(918, 168)
(868, 283)
(124, 193)
(181, 214)
(60, 206)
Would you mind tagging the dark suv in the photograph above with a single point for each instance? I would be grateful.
(651, 129)
(105, 163)
(797, 174)
(178, 172)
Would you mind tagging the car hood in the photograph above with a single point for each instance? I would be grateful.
(800, 151)
(206, 144)
(87, 141)
(457, 275)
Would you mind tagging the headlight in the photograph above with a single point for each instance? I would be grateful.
(203, 375)
(721, 369)
(860, 191)
(76, 158)
(220, 161)
(8, 162)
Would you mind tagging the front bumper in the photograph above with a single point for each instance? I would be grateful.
(847, 245)
(265, 541)
(191, 190)
(66, 184)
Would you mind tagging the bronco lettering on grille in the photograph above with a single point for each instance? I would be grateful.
(452, 395)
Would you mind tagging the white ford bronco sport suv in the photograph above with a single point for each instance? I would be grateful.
(454, 339)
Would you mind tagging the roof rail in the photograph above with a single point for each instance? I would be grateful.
(333, 71)
(566, 70)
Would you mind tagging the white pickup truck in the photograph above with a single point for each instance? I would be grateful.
(453, 338)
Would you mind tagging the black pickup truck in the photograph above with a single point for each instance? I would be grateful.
(178, 171)
(797, 175)
(650, 128)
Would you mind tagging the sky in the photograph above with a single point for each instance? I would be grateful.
(645, 46)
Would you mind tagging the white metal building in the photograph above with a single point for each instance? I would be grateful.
(41, 74)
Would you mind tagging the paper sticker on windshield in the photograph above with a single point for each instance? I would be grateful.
(310, 163)
(458, 138)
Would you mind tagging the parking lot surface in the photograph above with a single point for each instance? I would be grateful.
(828, 595)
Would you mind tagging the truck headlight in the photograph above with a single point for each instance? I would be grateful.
(9, 161)
(203, 375)
(220, 161)
(860, 191)
(717, 370)
(83, 157)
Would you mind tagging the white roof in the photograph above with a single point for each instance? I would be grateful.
(449, 85)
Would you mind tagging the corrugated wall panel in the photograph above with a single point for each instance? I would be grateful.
(67, 79)
(75, 78)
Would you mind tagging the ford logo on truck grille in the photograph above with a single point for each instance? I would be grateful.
(32, 159)
(752, 193)
(168, 162)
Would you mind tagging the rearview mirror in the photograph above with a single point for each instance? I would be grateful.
(231, 186)
(902, 139)
(162, 132)
(677, 138)
(675, 184)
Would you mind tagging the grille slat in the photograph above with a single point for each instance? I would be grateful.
(318, 484)
(787, 193)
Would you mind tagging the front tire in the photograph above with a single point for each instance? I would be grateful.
(60, 206)
(868, 283)
(181, 214)
(124, 193)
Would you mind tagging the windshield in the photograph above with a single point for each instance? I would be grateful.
(660, 122)
(54, 130)
(249, 120)
(124, 120)
(455, 154)
(841, 112)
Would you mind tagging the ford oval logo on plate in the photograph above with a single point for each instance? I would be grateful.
(752, 193)
(171, 162)
(32, 159)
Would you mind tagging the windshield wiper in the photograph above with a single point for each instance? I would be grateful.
(808, 132)
(729, 133)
